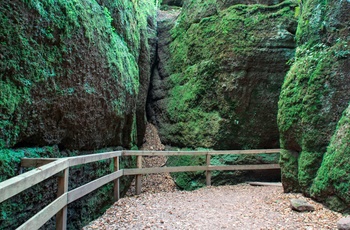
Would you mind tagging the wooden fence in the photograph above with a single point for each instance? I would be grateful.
(48, 167)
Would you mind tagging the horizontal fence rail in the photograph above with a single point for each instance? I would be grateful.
(48, 167)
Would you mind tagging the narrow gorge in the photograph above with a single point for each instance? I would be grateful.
(81, 77)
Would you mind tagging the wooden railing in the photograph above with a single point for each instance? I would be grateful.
(48, 167)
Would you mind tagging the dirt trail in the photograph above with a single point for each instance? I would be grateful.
(161, 182)
(225, 207)
(161, 206)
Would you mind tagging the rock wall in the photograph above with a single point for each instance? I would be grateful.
(74, 77)
(313, 98)
(74, 72)
(221, 65)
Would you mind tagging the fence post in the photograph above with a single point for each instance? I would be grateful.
(116, 188)
(208, 172)
(138, 177)
(61, 216)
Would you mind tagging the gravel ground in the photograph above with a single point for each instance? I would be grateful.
(161, 206)
(226, 207)
(158, 182)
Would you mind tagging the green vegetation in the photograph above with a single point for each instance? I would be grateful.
(331, 183)
(54, 57)
(313, 98)
(289, 171)
(207, 104)
(45, 42)
(36, 198)
(195, 180)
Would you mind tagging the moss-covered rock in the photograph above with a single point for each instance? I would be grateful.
(218, 79)
(73, 74)
(331, 183)
(70, 72)
(314, 94)
(172, 2)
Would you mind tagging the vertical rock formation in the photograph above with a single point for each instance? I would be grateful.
(221, 66)
(314, 95)
(74, 76)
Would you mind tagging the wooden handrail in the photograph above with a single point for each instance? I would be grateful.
(36, 162)
(45, 214)
(93, 185)
(79, 160)
(51, 166)
(15, 185)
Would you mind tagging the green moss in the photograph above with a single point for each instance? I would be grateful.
(18, 209)
(37, 44)
(312, 100)
(201, 107)
(333, 176)
(289, 171)
(306, 106)
(308, 164)
(188, 180)
(10, 159)
(195, 180)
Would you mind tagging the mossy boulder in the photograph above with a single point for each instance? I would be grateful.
(74, 77)
(331, 183)
(74, 72)
(218, 77)
(314, 94)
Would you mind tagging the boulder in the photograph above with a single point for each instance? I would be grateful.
(74, 76)
(344, 223)
(301, 205)
(313, 101)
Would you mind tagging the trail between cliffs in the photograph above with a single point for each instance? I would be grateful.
(227, 207)
(161, 206)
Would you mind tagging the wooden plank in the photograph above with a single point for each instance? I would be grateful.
(78, 160)
(199, 168)
(91, 186)
(36, 162)
(116, 187)
(163, 153)
(26, 180)
(138, 178)
(61, 216)
(208, 172)
(180, 153)
(164, 170)
(45, 214)
(278, 184)
(250, 151)
(244, 167)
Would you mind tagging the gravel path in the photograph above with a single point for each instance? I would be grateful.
(226, 207)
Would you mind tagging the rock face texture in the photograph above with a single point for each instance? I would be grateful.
(219, 73)
(172, 2)
(73, 74)
(314, 96)
(74, 77)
